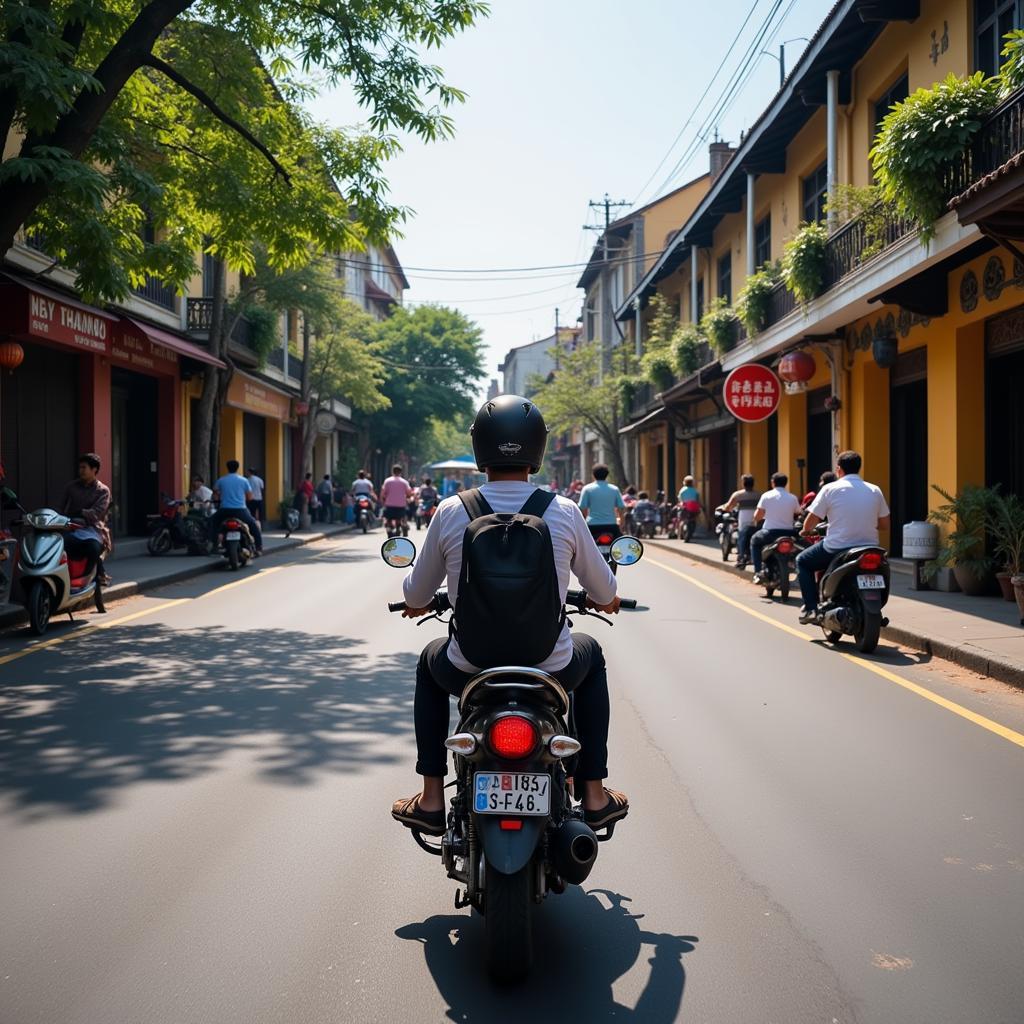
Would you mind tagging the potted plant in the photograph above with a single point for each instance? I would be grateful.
(658, 368)
(686, 349)
(803, 262)
(1006, 528)
(718, 325)
(752, 303)
(964, 549)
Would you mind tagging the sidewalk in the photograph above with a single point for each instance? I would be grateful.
(134, 573)
(982, 634)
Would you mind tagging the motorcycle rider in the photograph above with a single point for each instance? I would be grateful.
(200, 496)
(509, 438)
(394, 495)
(777, 510)
(602, 505)
(745, 503)
(856, 511)
(428, 494)
(88, 498)
(644, 511)
(232, 490)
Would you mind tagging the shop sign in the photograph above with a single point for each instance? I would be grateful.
(50, 318)
(252, 396)
(752, 392)
(142, 354)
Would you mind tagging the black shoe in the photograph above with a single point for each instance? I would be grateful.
(808, 617)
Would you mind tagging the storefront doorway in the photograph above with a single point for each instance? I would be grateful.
(135, 450)
(1004, 432)
(254, 443)
(819, 436)
(38, 425)
(908, 444)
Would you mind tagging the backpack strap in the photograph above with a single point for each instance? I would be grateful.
(537, 504)
(475, 504)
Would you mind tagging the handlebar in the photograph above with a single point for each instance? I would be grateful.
(438, 604)
(578, 599)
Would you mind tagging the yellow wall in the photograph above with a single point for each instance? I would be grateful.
(273, 471)
(231, 437)
(754, 452)
(664, 216)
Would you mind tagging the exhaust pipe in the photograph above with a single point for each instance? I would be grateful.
(836, 620)
(574, 850)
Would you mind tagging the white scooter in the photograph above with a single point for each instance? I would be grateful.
(52, 582)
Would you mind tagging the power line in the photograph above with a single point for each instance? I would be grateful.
(370, 264)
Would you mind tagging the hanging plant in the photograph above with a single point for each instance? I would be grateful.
(754, 301)
(718, 325)
(687, 348)
(922, 140)
(629, 387)
(885, 350)
(658, 368)
(803, 262)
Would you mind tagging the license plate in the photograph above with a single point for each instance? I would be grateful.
(522, 793)
(233, 535)
(871, 582)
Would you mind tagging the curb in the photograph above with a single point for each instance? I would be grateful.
(130, 588)
(975, 661)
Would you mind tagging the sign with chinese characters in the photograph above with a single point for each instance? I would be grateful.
(752, 392)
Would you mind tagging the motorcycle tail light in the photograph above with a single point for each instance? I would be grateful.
(605, 538)
(870, 561)
(784, 547)
(512, 737)
(233, 524)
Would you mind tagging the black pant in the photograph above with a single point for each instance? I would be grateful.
(90, 550)
(237, 513)
(763, 537)
(437, 680)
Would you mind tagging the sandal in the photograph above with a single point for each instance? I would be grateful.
(411, 815)
(615, 810)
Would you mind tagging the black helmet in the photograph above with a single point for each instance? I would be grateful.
(509, 431)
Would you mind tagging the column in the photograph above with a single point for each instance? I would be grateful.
(832, 136)
(750, 223)
(754, 452)
(169, 449)
(94, 415)
(231, 439)
(793, 438)
(273, 471)
(694, 279)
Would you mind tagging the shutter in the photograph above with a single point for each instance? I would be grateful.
(910, 367)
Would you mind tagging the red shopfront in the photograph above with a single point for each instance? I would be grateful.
(91, 381)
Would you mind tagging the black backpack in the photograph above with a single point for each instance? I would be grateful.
(509, 608)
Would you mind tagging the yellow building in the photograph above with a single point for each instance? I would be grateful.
(918, 349)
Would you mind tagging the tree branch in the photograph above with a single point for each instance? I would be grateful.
(207, 101)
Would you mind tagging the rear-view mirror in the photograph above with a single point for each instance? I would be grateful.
(626, 551)
(398, 552)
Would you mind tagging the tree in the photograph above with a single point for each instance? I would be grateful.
(580, 394)
(446, 439)
(94, 92)
(434, 359)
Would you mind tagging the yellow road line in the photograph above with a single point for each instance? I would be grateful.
(239, 582)
(921, 691)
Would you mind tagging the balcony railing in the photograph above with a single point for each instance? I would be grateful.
(199, 317)
(295, 364)
(157, 292)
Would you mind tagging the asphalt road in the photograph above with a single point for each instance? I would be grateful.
(194, 820)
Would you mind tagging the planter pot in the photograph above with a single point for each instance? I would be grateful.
(1005, 586)
(885, 351)
(944, 581)
(1018, 592)
(971, 583)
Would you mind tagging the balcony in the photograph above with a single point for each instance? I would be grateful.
(295, 364)
(199, 317)
(155, 291)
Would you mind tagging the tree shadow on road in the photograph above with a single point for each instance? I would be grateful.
(161, 704)
(584, 942)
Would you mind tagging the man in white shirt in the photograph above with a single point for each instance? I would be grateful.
(776, 514)
(509, 438)
(856, 511)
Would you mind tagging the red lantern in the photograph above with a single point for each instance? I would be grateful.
(11, 355)
(301, 408)
(797, 367)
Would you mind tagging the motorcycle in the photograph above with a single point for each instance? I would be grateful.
(513, 832)
(424, 513)
(235, 543)
(645, 521)
(776, 565)
(852, 592)
(170, 529)
(605, 542)
(291, 520)
(52, 582)
(397, 527)
(728, 530)
(364, 512)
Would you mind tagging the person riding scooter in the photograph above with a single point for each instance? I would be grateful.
(509, 437)
(87, 499)
(232, 490)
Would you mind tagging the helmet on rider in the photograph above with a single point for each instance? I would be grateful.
(509, 431)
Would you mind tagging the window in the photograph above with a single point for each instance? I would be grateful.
(209, 261)
(725, 276)
(763, 241)
(992, 20)
(896, 93)
(700, 300)
(815, 187)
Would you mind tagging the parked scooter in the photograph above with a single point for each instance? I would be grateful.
(235, 543)
(51, 582)
(727, 527)
(179, 525)
(364, 512)
(513, 832)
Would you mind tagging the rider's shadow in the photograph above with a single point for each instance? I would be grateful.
(583, 943)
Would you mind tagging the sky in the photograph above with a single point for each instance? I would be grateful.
(569, 100)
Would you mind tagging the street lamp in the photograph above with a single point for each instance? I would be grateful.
(781, 58)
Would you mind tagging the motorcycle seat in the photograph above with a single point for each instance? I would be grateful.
(498, 684)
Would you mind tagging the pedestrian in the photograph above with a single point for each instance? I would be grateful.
(745, 503)
(856, 511)
(325, 495)
(87, 499)
(255, 501)
(776, 514)
(200, 496)
(306, 494)
(232, 491)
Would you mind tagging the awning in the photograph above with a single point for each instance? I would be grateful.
(656, 414)
(374, 291)
(158, 336)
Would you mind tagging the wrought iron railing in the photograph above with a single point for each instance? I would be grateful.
(295, 364)
(157, 292)
(199, 317)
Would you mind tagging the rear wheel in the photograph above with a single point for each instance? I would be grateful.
(40, 605)
(867, 634)
(507, 926)
(159, 543)
(231, 546)
(784, 582)
(725, 544)
(364, 524)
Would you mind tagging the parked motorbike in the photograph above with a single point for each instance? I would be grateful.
(852, 592)
(52, 583)
(777, 564)
(179, 525)
(364, 512)
(727, 528)
(235, 543)
(514, 833)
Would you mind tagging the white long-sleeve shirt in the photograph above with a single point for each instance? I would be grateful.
(574, 548)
